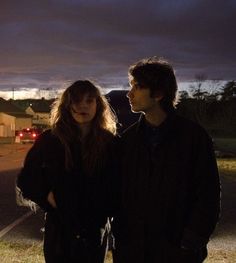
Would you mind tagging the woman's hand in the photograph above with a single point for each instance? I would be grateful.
(51, 200)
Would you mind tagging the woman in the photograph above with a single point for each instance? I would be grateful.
(68, 173)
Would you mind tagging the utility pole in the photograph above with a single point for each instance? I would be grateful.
(13, 93)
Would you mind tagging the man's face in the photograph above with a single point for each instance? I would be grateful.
(84, 111)
(140, 99)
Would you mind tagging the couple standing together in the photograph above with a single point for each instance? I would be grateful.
(158, 181)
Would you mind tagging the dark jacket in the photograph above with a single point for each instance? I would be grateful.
(83, 202)
(170, 197)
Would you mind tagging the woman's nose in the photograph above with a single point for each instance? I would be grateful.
(129, 94)
(82, 104)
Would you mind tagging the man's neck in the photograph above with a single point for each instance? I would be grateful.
(156, 116)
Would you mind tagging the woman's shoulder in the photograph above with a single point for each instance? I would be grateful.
(107, 134)
(110, 140)
(47, 139)
(44, 136)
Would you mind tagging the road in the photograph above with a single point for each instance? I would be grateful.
(28, 229)
(11, 160)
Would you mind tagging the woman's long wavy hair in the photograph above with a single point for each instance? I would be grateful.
(103, 126)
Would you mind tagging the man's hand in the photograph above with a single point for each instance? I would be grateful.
(51, 200)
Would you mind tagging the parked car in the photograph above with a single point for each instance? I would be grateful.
(28, 135)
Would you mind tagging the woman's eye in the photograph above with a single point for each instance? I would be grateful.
(90, 101)
(73, 110)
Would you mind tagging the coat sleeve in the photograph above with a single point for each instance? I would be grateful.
(31, 182)
(112, 178)
(206, 209)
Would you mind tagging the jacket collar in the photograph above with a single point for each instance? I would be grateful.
(170, 119)
(168, 127)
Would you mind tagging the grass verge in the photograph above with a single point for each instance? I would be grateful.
(20, 253)
(221, 256)
(16, 252)
(23, 253)
(227, 167)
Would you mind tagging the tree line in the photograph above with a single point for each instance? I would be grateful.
(213, 108)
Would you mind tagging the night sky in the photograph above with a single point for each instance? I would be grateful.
(44, 44)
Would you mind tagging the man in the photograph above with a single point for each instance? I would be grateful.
(170, 184)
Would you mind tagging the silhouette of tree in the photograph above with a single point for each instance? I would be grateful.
(197, 90)
(183, 95)
(228, 91)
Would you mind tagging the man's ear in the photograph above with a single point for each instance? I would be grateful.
(158, 96)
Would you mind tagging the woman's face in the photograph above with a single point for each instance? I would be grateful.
(84, 111)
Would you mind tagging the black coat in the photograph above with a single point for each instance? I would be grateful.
(169, 200)
(83, 202)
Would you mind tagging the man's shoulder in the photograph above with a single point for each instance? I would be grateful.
(189, 127)
(187, 123)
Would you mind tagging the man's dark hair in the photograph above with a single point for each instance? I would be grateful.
(157, 75)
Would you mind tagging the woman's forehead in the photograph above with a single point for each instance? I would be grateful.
(81, 97)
